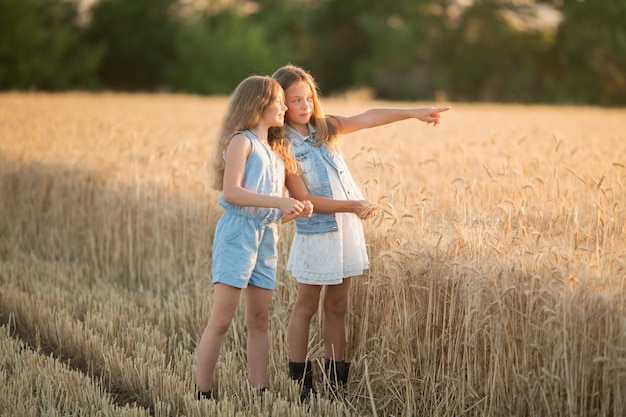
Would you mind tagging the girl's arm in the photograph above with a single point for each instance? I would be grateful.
(236, 155)
(382, 116)
(297, 189)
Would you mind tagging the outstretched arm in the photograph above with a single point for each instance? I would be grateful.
(382, 116)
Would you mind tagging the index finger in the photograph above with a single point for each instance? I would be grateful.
(441, 109)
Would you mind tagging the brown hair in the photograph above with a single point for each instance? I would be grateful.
(327, 131)
(246, 107)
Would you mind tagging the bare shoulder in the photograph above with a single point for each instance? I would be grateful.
(239, 143)
(240, 139)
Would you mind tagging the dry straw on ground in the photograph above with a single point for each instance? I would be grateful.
(497, 272)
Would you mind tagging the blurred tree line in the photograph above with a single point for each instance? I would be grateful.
(480, 50)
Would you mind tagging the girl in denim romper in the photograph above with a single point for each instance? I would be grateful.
(250, 166)
(329, 247)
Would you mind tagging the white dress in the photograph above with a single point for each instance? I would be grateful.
(328, 258)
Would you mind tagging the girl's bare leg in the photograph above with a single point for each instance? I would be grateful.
(225, 299)
(257, 318)
(334, 320)
(304, 309)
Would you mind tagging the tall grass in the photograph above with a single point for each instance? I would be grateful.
(496, 284)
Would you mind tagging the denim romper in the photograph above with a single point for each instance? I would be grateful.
(245, 242)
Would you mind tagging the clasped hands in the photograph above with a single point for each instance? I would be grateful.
(292, 208)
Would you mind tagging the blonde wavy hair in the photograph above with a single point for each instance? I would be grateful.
(246, 107)
(328, 127)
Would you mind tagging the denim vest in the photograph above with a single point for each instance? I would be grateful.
(312, 161)
(264, 174)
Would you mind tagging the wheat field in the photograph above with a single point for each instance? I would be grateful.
(496, 284)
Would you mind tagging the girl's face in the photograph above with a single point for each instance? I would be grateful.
(274, 115)
(300, 103)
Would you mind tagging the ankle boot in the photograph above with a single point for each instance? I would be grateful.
(205, 395)
(303, 373)
(260, 394)
(337, 373)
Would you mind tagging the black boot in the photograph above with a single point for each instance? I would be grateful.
(303, 373)
(205, 395)
(337, 373)
(260, 394)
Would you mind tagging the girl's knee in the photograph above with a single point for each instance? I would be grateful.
(336, 307)
(257, 322)
(305, 309)
(218, 327)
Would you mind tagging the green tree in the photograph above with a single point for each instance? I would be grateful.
(590, 53)
(483, 56)
(214, 52)
(139, 37)
(400, 35)
(286, 22)
(41, 47)
(384, 45)
(335, 42)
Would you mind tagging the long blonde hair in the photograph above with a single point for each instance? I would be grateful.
(327, 131)
(247, 104)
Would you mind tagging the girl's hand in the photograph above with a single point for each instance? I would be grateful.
(377, 213)
(363, 210)
(431, 114)
(307, 211)
(290, 207)
(294, 208)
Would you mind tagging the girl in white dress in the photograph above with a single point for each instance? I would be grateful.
(328, 248)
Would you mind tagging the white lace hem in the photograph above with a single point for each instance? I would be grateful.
(331, 278)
